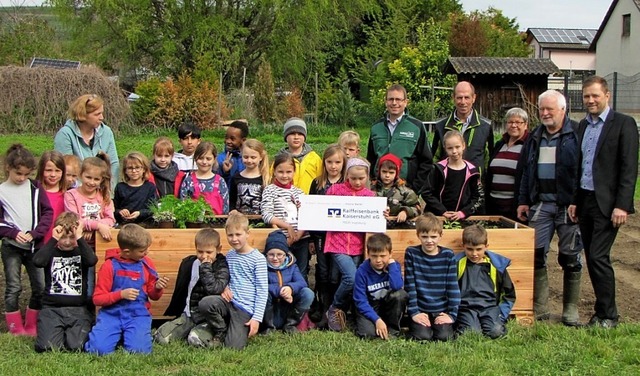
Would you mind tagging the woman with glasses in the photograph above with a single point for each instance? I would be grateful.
(505, 166)
(84, 134)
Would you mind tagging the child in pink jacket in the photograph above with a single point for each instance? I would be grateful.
(347, 248)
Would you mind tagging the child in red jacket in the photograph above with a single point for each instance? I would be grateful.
(126, 282)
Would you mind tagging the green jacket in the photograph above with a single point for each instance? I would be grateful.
(478, 136)
(409, 143)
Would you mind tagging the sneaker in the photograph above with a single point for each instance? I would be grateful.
(336, 319)
(203, 336)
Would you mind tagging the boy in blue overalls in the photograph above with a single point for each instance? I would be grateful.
(126, 282)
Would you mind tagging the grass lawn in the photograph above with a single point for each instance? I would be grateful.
(540, 350)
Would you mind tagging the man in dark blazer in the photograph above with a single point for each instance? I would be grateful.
(604, 198)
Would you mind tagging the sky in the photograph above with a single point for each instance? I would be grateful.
(563, 14)
(566, 14)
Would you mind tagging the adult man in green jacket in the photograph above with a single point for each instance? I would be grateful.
(405, 137)
(476, 130)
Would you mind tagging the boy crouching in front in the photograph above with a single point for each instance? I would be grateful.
(289, 295)
(235, 316)
(126, 282)
(377, 292)
(204, 274)
(487, 293)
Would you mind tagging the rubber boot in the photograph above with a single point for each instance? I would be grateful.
(541, 294)
(293, 319)
(31, 322)
(318, 306)
(570, 298)
(14, 323)
(327, 300)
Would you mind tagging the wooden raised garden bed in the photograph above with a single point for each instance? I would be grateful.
(170, 246)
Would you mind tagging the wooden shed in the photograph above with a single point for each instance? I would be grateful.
(503, 82)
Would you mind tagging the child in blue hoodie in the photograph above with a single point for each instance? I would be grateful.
(378, 291)
(487, 293)
(289, 295)
(230, 162)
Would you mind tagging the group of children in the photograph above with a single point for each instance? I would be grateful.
(239, 181)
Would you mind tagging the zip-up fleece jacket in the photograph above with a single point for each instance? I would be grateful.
(69, 140)
(287, 275)
(41, 216)
(567, 165)
(409, 142)
(213, 278)
(504, 289)
(348, 243)
(471, 197)
(478, 136)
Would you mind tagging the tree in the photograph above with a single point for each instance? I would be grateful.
(486, 33)
(24, 37)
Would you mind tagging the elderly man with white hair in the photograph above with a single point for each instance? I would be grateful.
(549, 182)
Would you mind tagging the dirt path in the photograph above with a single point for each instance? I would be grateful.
(625, 257)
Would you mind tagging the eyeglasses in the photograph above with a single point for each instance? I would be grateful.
(399, 100)
(510, 123)
(136, 168)
(276, 256)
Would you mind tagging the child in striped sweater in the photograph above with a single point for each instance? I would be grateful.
(432, 283)
(279, 206)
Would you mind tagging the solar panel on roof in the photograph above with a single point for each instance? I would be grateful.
(54, 63)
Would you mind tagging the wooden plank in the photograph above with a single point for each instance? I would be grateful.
(170, 246)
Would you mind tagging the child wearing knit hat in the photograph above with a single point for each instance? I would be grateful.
(308, 162)
(402, 202)
(289, 295)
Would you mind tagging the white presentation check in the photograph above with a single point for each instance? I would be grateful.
(342, 213)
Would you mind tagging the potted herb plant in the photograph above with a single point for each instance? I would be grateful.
(193, 213)
(163, 211)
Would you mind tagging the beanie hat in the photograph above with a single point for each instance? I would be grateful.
(276, 239)
(393, 159)
(357, 161)
(295, 125)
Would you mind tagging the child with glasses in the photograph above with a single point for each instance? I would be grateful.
(135, 193)
(289, 295)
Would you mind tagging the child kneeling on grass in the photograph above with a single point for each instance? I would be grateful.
(235, 316)
(377, 292)
(204, 274)
(64, 321)
(126, 282)
(430, 276)
(289, 295)
(487, 293)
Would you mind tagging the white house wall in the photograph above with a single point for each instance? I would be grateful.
(573, 60)
(615, 53)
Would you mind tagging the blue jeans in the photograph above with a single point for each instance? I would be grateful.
(13, 258)
(281, 309)
(347, 266)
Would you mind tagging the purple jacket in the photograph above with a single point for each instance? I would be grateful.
(41, 213)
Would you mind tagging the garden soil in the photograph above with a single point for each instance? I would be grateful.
(626, 262)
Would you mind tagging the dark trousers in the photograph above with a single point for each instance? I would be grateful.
(12, 259)
(300, 250)
(485, 320)
(440, 332)
(598, 235)
(63, 328)
(224, 316)
(390, 309)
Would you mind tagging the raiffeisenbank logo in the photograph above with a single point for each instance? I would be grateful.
(334, 213)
